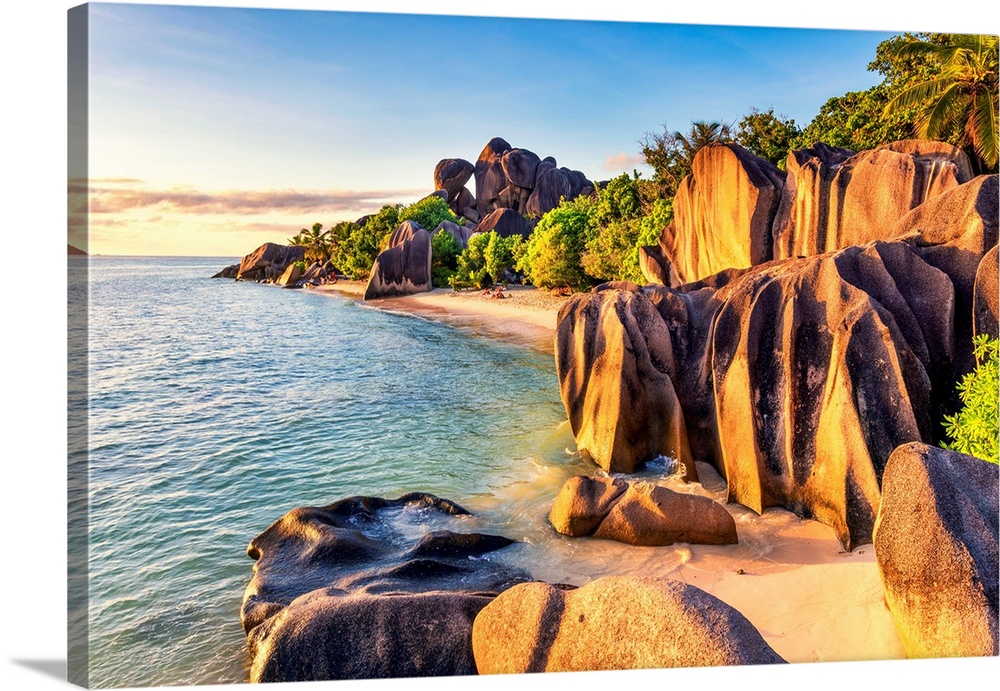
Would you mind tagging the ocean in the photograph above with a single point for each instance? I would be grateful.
(216, 406)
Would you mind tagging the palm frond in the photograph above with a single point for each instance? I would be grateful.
(941, 113)
(984, 127)
(916, 95)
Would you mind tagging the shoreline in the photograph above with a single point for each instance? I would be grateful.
(837, 612)
(526, 317)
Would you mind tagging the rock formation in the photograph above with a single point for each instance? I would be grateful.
(505, 222)
(936, 548)
(404, 267)
(516, 179)
(340, 592)
(639, 513)
(723, 213)
(613, 623)
(835, 198)
(269, 261)
(615, 362)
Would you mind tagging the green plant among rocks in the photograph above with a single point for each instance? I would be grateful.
(975, 429)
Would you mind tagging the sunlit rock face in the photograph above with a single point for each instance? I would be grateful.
(369, 588)
(723, 213)
(269, 261)
(614, 622)
(795, 379)
(936, 548)
(835, 198)
(639, 513)
(614, 359)
(404, 267)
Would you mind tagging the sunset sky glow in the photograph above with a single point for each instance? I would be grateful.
(213, 130)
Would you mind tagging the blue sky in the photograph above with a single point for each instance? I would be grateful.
(215, 129)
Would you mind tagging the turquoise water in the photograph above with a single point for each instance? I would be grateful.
(217, 406)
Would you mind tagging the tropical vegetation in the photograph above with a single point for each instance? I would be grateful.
(975, 429)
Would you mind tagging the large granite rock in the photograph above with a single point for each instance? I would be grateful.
(795, 379)
(269, 261)
(984, 300)
(404, 267)
(451, 174)
(552, 186)
(490, 178)
(723, 213)
(347, 591)
(519, 165)
(936, 548)
(835, 198)
(613, 623)
(639, 513)
(615, 362)
(953, 232)
(505, 222)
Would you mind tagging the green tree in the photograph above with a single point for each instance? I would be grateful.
(428, 212)
(551, 257)
(316, 241)
(471, 270)
(957, 103)
(975, 429)
(444, 257)
(767, 135)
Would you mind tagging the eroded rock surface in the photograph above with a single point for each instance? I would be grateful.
(834, 198)
(358, 589)
(723, 213)
(613, 623)
(639, 513)
(795, 379)
(936, 548)
(404, 267)
(269, 261)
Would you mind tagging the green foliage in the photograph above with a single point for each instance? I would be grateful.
(444, 257)
(855, 121)
(356, 245)
(975, 429)
(957, 100)
(767, 135)
(488, 255)
(302, 266)
(551, 258)
(428, 212)
(471, 270)
(502, 254)
(317, 242)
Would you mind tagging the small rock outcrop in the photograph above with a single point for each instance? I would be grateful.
(269, 261)
(404, 267)
(936, 548)
(613, 623)
(343, 592)
(834, 198)
(639, 513)
(723, 213)
(984, 300)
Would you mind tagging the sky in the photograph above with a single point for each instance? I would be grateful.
(215, 129)
(33, 174)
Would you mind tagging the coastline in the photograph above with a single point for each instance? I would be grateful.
(526, 317)
(811, 600)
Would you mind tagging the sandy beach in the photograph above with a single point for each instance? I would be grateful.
(526, 316)
(811, 600)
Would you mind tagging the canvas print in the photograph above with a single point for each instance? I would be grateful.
(606, 346)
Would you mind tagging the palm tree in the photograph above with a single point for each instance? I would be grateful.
(961, 98)
(670, 154)
(316, 241)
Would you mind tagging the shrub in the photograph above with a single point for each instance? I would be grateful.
(975, 429)
(551, 258)
(501, 254)
(471, 264)
(613, 253)
(444, 256)
(428, 212)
